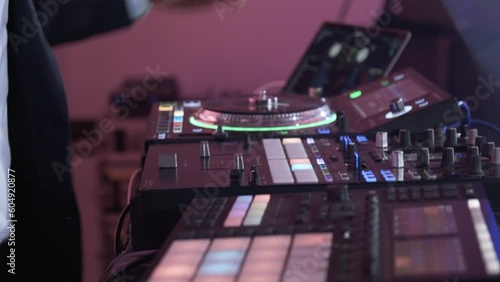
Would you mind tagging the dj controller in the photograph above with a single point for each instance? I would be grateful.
(383, 182)
(343, 233)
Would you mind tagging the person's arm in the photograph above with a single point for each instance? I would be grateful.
(70, 20)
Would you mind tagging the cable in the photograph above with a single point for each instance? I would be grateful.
(131, 184)
(487, 124)
(465, 107)
(118, 229)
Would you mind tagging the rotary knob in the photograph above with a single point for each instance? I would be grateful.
(451, 137)
(495, 156)
(397, 159)
(397, 105)
(423, 158)
(404, 138)
(381, 140)
(448, 158)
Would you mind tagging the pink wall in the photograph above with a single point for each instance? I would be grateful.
(258, 43)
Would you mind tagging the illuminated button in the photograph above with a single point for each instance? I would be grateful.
(356, 94)
(324, 131)
(384, 83)
(399, 77)
(361, 139)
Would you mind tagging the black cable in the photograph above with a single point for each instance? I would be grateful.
(118, 230)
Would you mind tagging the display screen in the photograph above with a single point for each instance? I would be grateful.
(342, 57)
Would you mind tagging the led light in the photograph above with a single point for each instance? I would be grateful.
(356, 94)
(384, 83)
(268, 128)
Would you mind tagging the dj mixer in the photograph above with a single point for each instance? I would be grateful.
(418, 232)
(174, 174)
(369, 176)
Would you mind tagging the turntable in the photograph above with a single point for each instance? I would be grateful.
(263, 113)
(405, 99)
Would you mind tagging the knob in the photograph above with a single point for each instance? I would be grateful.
(343, 124)
(488, 149)
(451, 137)
(495, 156)
(429, 137)
(238, 162)
(476, 165)
(397, 105)
(471, 136)
(219, 133)
(397, 159)
(404, 138)
(448, 158)
(479, 141)
(472, 151)
(204, 149)
(235, 177)
(254, 176)
(423, 158)
(381, 140)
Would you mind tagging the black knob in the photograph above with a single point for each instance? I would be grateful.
(448, 158)
(254, 176)
(429, 137)
(476, 166)
(397, 105)
(351, 149)
(479, 142)
(235, 177)
(451, 137)
(343, 124)
(423, 158)
(487, 150)
(404, 138)
(472, 151)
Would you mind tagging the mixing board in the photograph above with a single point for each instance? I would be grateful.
(445, 232)
(405, 99)
(173, 174)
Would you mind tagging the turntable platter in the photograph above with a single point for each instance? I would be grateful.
(282, 112)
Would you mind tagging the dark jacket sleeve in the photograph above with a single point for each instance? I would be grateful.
(69, 20)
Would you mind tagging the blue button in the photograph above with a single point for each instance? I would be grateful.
(324, 130)
(361, 139)
(178, 119)
(390, 178)
(328, 177)
(371, 179)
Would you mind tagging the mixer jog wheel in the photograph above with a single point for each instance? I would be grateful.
(264, 113)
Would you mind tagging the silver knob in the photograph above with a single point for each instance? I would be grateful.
(397, 159)
(204, 149)
(471, 139)
(495, 156)
(381, 140)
